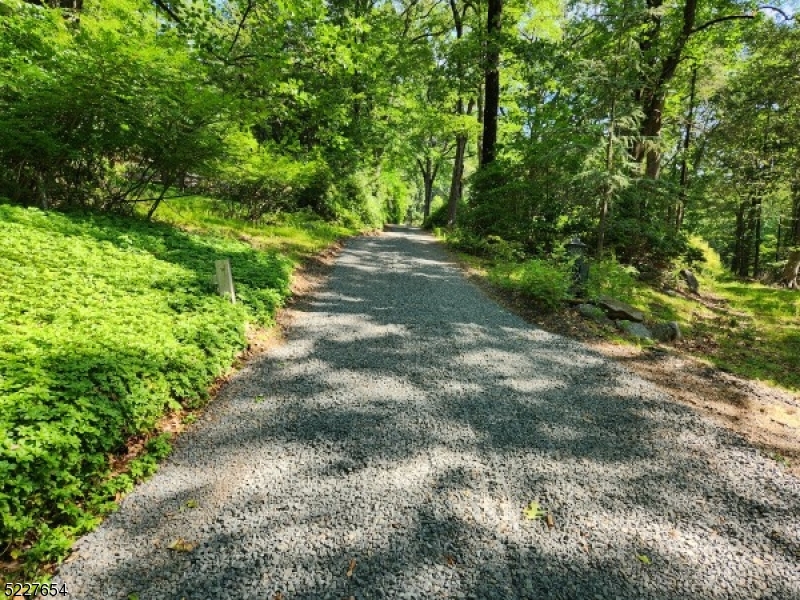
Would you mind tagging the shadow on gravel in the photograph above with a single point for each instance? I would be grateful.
(412, 421)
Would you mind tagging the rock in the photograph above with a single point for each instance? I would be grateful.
(691, 281)
(635, 329)
(594, 313)
(616, 309)
(667, 332)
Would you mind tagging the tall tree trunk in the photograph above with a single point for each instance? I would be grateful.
(457, 183)
(480, 124)
(739, 263)
(651, 130)
(428, 171)
(492, 78)
(756, 211)
(790, 271)
(794, 225)
(687, 140)
(426, 211)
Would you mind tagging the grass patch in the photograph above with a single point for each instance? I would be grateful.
(757, 330)
(106, 323)
(293, 234)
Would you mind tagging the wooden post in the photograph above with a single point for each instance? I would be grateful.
(224, 279)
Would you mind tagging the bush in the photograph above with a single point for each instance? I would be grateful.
(546, 282)
(145, 115)
(256, 180)
(610, 278)
(492, 246)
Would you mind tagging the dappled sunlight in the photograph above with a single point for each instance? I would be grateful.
(389, 449)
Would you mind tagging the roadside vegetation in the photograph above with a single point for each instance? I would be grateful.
(107, 324)
(155, 136)
(743, 327)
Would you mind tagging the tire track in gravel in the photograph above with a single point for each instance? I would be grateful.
(405, 425)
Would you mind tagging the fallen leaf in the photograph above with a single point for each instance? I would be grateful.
(534, 511)
(181, 545)
(644, 559)
(352, 567)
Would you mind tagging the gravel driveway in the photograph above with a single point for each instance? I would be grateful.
(389, 448)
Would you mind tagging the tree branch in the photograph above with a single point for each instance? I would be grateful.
(780, 11)
(720, 20)
(422, 168)
(168, 9)
(428, 34)
(250, 6)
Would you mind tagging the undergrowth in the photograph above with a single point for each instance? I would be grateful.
(743, 327)
(293, 234)
(106, 323)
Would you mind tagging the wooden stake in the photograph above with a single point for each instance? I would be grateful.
(224, 279)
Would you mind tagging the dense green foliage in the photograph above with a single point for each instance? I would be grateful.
(105, 323)
(116, 105)
(281, 126)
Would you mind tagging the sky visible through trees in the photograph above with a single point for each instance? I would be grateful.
(632, 123)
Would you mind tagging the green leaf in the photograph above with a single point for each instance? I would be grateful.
(534, 511)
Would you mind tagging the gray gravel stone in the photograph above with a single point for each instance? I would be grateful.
(405, 425)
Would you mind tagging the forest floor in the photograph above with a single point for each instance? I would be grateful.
(766, 415)
(413, 439)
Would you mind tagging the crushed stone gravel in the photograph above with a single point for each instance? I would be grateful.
(389, 448)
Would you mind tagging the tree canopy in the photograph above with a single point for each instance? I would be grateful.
(631, 123)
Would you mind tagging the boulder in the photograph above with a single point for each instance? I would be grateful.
(667, 332)
(615, 309)
(691, 281)
(635, 329)
(594, 313)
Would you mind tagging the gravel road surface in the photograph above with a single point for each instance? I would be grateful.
(389, 448)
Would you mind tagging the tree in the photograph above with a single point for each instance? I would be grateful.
(491, 102)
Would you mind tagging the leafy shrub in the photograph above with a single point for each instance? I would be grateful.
(255, 180)
(610, 278)
(145, 114)
(546, 282)
(356, 201)
(491, 246)
(104, 323)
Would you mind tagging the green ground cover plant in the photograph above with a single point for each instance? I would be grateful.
(106, 323)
